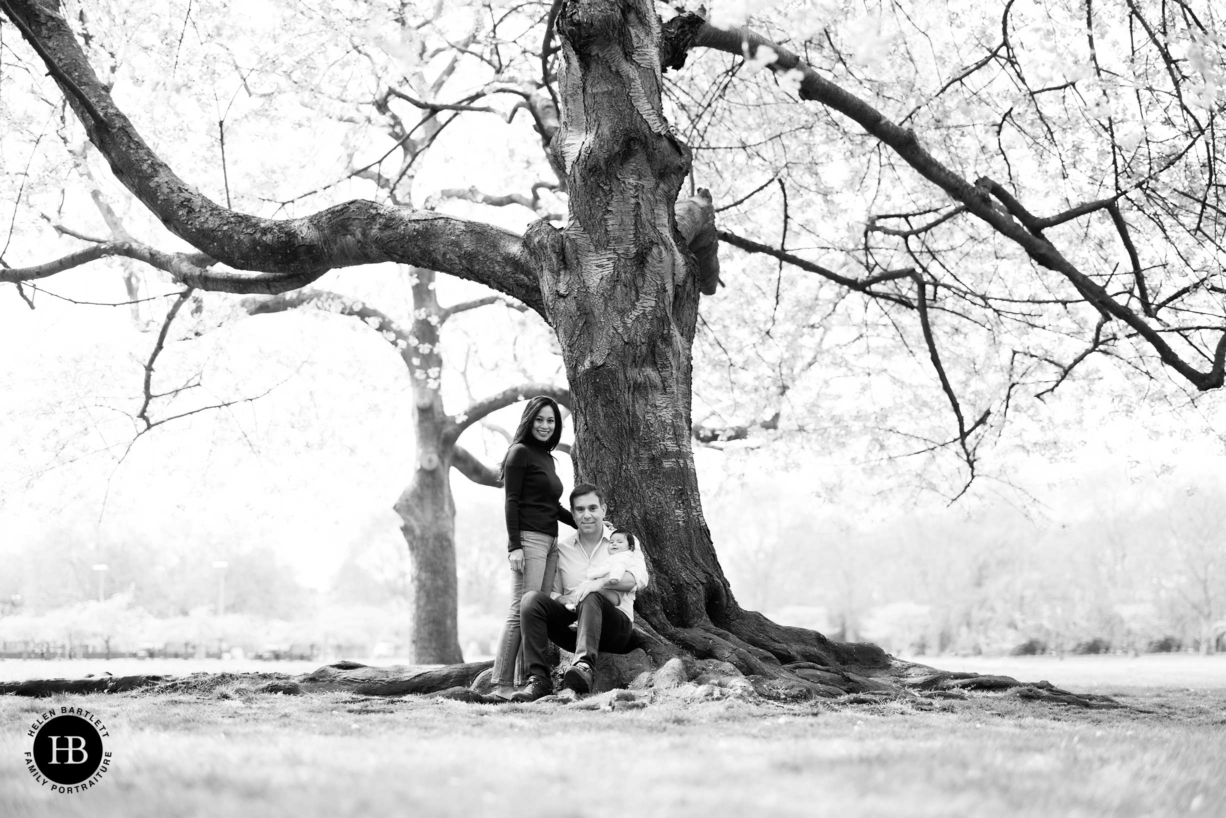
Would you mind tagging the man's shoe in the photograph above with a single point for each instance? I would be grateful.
(578, 677)
(537, 687)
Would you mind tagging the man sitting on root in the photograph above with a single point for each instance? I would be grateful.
(602, 624)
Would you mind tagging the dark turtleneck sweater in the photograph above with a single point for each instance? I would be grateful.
(533, 490)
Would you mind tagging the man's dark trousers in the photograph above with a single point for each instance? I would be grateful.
(543, 620)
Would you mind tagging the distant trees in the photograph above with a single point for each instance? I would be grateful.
(1144, 573)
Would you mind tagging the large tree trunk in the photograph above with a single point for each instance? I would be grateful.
(426, 507)
(620, 289)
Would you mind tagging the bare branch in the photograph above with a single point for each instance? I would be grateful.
(1095, 345)
(143, 414)
(442, 106)
(477, 303)
(47, 292)
(189, 268)
(1076, 212)
(859, 285)
(957, 78)
(964, 432)
(21, 292)
(326, 301)
(474, 194)
(874, 227)
(65, 230)
(505, 398)
(747, 196)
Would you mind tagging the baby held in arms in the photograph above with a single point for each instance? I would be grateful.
(621, 544)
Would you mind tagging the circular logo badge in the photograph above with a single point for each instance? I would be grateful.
(67, 754)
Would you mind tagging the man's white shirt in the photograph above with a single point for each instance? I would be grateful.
(573, 564)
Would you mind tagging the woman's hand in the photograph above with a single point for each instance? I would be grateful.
(516, 558)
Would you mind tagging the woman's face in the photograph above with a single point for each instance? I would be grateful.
(543, 424)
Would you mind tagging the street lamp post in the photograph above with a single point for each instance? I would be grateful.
(221, 566)
(101, 568)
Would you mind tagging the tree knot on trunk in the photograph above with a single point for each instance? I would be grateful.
(677, 38)
(544, 249)
(696, 223)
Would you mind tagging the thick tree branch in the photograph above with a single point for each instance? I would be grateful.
(468, 465)
(65, 82)
(282, 254)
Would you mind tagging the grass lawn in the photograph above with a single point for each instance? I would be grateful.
(336, 754)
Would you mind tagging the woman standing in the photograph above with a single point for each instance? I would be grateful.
(532, 512)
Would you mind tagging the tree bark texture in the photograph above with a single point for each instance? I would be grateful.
(620, 287)
(426, 507)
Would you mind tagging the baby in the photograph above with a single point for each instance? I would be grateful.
(621, 546)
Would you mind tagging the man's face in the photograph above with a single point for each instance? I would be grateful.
(589, 513)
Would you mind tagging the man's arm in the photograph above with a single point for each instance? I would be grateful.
(591, 586)
(626, 582)
(633, 577)
(636, 572)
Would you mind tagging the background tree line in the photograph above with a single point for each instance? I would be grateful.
(1137, 565)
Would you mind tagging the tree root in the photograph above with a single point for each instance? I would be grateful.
(711, 663)
(351, 677)
(930, 681)
(40, 688)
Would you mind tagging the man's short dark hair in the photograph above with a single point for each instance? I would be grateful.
(585, 488)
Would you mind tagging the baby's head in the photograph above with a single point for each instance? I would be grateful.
(622, 540)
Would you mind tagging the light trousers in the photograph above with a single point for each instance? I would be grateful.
(540, 564)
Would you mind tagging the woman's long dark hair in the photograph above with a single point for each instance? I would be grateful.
(523, 433)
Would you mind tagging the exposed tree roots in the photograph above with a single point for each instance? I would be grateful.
(711, 665)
